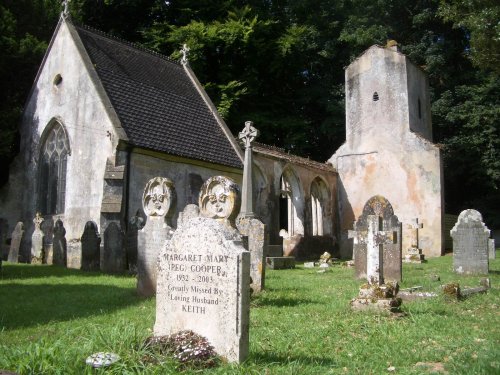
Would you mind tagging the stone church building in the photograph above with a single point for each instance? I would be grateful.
(105, 116)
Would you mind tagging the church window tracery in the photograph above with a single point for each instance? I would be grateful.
(52, 173)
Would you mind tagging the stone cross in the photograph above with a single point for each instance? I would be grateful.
(375, 240)
(247, 136)
(185, 49)
(37, 240)
(414, 226)
(65, 3)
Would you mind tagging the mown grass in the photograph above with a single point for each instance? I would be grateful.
(53, 318)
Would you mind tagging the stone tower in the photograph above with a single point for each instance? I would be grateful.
(388, 149)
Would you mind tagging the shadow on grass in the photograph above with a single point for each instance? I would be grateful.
(268, 358)
(14, 271)
(281, 302)
(29, 305)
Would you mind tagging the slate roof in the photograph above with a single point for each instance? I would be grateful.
(157, 103)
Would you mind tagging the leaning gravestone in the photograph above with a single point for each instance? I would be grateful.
(203, 276)
(114, 253)
(157, 200)
(59, 245)
(15, 242)
(390, 258)
(37, 241)
(470, 243)
(91, 244)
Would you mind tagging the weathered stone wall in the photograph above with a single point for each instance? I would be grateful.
(76, 103)
(382, 155)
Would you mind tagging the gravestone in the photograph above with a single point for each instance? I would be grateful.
(491, 248)
(114, 252)
(15, 242)
(37, 241)
(382, 232)
(470, 244)
(135, 224)
(414, 253)
(47, 228)
(59, 244)
(206, 288)
(157, 201)
(91, 245)
(4, 249)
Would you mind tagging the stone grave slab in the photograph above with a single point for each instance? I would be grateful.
(491, 248)
(47, 228)
(157, 200)
(280, 263)
(114, 252)
(256, 233)
(390, 257)
(59, 244)
(135, 224)
(203, 286)
(4, 249)
(15, 242)
(91, 245)
(470, 244)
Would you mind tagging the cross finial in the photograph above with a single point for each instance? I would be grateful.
(248, 134)
(185, 49)
(65, 12)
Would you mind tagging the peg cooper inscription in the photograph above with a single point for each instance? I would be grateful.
(203, 286)
(191, 277)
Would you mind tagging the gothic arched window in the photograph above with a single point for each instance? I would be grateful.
(319, 198)
(54, 153)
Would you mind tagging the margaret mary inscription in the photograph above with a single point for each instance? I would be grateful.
(203, 286)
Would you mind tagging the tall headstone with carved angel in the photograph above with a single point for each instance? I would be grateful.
(158, 201)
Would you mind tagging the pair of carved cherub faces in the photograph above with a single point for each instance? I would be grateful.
(219, 197)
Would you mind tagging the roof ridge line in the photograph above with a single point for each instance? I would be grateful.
(126, 42)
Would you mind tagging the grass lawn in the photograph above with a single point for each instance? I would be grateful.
(51, 319)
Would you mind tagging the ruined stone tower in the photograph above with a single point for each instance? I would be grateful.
(388, 149)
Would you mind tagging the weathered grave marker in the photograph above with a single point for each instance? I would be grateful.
(377, 246)
(470, 243)
(366, 236)
(91, 245)
(414, 253)
(37, 241)
(59, 245)
(15, 242)
(135, 224)
(47, 228)
(114, 252)
(203, 275)
(491, 248)
(4, 249)
(157, 200)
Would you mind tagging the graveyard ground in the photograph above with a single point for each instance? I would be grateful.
(52, 318)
